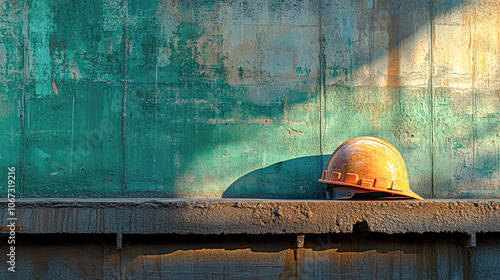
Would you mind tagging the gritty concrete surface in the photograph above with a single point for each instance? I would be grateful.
(252, 216)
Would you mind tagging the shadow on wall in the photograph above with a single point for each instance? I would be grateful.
(294, 178)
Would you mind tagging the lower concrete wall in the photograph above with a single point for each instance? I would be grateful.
(250, 239)
(341, 256)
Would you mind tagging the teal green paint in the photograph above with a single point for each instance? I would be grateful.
(209, 115)
(274, 4)
(303, 72)
(335, 71)
(240, 72)
(73, 144)
(74, 153)
(185, 53)
(205, 4)
(9, 138)
(11, 76)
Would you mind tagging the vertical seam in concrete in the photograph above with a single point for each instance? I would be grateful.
(72, 134)
(321, 59)
(124, 101)
(23, 98)
(103, 262)
(156, 108)
(474, 67)
(432, 95)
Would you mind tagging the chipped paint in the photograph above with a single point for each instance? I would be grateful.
(54, 87)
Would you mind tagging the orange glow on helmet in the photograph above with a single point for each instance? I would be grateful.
(367, 165)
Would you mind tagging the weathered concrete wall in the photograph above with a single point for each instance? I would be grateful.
(244, 98)
(362, 256)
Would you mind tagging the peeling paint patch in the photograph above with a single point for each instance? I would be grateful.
(54, 87)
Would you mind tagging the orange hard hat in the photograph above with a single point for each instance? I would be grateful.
(369, 166)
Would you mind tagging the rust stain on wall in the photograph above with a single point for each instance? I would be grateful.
(54, 87)
(394, 56)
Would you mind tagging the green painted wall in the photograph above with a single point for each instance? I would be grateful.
(245, 98)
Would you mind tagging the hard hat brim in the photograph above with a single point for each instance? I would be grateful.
(407, 193)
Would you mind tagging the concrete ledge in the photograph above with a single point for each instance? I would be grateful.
(251, 216)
